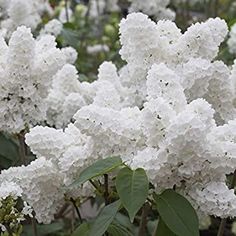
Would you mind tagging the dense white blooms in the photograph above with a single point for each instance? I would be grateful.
(53, 27)
(114, 132)
(232, 40)
(68, 94)
(41, 184)
(20, 12)
(64, 98)
(169, 110)
(69, 150)
(192, 152)
(9, 189)
(156, 8)
(27, 67)
(216, 198)
(189, 55)
(70, 54)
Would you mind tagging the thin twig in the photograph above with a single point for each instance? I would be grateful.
(143, 223)
(94, 185)
(77, 210)
(22, 148)
(223, 221)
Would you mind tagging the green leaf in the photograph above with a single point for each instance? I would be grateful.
(8, 148)
(163, 230)
(9, 153)
(82, 230)
(132, 187)
(118, 230)
(104, 219)
(43, 230)
(98, 168)
(177, 213)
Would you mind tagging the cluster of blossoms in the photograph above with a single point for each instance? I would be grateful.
(169, 110)
(155, 8)
(27, 67)
(14, 13)
(232, 40)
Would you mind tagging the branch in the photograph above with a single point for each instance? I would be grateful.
(223, 221)
(143, 224)
(77, 210)
(22, 148)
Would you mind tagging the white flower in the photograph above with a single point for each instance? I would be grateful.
(70, 54)
(9, 189)
(42, 187)
(53, 27)
(27, 67)
(20, 12)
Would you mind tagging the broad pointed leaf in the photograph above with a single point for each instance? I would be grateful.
(104, 219)
(177, 213)
(82, 230)
(132, 187)
(99, 168)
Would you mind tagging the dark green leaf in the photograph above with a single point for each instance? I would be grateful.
(8, 148)
(132, 187)
(177, 213)
(82, 230)
(104, 219)
(43, 230)
(99, 168)
(118, 230)
(9, 154)
(163, 230)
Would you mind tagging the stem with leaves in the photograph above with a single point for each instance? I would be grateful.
(223, 221)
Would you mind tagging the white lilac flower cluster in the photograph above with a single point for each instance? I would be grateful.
(232, 40)
(155, 8)
(43, 180)
(14, 13)
(53, 27)
(27, 67)
(170, 110)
